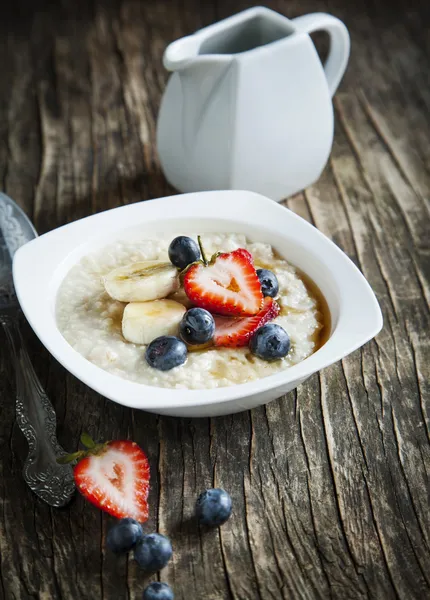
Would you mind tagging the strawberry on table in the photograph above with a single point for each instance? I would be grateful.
(113, 476)
(227, 285)
(236, 332)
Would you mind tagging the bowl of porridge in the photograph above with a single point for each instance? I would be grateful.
(261, 301)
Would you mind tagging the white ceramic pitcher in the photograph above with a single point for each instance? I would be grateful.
(249, 104)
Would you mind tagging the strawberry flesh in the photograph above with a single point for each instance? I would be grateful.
(228, 286)
(236, 332)
(116, 480)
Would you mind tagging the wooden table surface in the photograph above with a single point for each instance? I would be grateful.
(330, 483)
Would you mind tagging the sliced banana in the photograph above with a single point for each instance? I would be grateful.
(142, 322)
(142, 281)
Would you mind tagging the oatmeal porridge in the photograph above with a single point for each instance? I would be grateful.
(92, 321)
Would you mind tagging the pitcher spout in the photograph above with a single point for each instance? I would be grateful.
(181, 53)
(199, 76)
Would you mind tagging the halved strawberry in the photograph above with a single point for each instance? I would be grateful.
(245, 253)
(227, 285)
(115, 477)
(236, 332)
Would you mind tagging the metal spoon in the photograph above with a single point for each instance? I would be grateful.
(35, 415)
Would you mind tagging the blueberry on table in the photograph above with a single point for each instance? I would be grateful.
(197, 326)
(213, 507)
(269, 282)
(124, 536)
(158, 591)
(183, 251)
(153, 552)
(166, 352)
(270, 342)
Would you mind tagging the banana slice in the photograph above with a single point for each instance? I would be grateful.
(142, 281)
(142, 322)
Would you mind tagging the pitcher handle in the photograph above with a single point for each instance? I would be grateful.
(337, 60)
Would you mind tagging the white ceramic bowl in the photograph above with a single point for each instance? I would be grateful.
(40, 266)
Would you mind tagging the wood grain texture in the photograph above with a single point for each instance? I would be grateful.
(330, 484)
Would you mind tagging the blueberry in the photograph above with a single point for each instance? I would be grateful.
(158, 591)
(213, 507)
(123, 536)
(197, 326)
(183, 251)
(269, 282)
(166, 352)
(270, 342)
(153, 552)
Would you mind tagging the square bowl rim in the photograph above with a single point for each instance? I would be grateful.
(30, 282)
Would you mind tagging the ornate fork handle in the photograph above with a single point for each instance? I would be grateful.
(36, 418)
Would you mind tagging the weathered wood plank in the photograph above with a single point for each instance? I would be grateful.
(405, 414)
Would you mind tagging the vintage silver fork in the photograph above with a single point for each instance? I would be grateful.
(34, 412)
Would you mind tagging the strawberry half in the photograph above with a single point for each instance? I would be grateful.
(236, 332)
(115, 477)
(227, 285)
